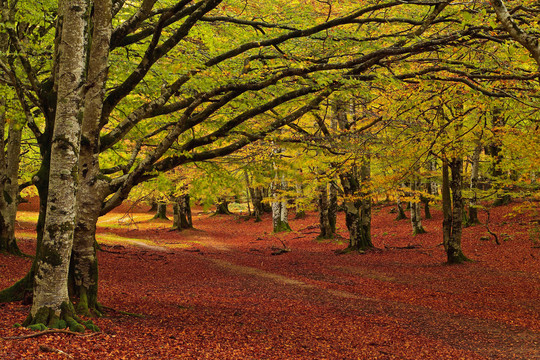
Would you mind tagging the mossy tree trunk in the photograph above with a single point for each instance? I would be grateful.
(161, 212)
(357, 205)
(182, 213)
(222, 207)
(51, 299)
(92, 188)
(453, 210)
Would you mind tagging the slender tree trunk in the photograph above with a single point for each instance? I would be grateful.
(332, 206)
(454, 252)
(300, 212)
(51, 300)
(324, 221)
(446, 206)
(473, 210)
(416, 220)
(9, 184)
(9, 163)
(280, 220)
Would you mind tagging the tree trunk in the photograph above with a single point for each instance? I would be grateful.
(473, 210)
(91, 193)
(300, 212)
(416, 220)
(446, 206)
(401, 213)
(51, 300)
(256, 199)
(357, 208)
(161, 211)
(280, 220)
(9, 184)
(324, 220)
(454, 252)
(222, 207)
(332, 206)
(182, 213)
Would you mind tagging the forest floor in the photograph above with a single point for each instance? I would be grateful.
(217, 292)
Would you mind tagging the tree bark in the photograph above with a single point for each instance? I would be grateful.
(416, 220)
(357, 205)
(454, 253)
(92, 187)
(473, 210)
(280, 219)
(51, 300)
(324, 220)
(182, 213)
(9, 184)
(161, 211)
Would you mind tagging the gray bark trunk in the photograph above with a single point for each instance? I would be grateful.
(91, 193)
(9, 184)
(51, 300)
(280, 220)
(473, 210)
(416, 219)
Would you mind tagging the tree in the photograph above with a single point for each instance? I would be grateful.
(51, 301)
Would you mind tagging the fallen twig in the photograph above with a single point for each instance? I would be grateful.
(46, 348)
(46, 332)
(486, 225)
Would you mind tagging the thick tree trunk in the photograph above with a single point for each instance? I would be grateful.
(51, 299)
(182, 213)
(357, 208)
(91, 193)
(222, 207)
(161, 212)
